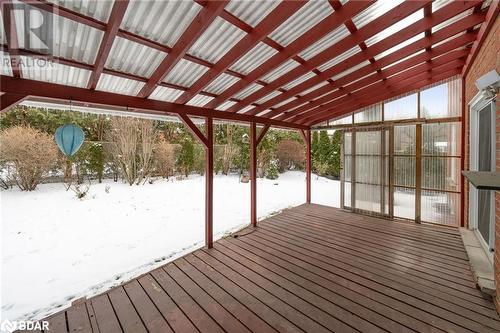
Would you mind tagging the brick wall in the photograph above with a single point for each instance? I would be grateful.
(487, 59)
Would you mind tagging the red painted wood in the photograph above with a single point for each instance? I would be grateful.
(11, 35)
(273, 20)
(115, 19)
(253, 174)
(387, 43)
(320, 30)
(85, 97)
(307, 136)
(197, 27)
(209, 183)
(262, 133)
(10, 100)
(491, 16)
(372, 28)
(194, 129)
(462, 155)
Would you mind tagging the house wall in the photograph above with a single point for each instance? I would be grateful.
(487, 59)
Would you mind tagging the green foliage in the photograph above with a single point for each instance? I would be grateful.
(90, 161)
(186, 156)
(272, 171)
(325, 153)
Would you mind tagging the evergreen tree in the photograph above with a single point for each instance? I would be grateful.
(324, 147)
(334, 162)
(186, 156)
(314, 149)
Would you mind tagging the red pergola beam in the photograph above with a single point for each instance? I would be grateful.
(379, 93)
(415, 86)
(491, 17)
(388, 60)
(262, 133)
(371, 29)
(197, 27)
(402, 66)
(314, 34)
(11, 34)
(58, 92)
(194, 129)
(115, 19)
(422, 71)
(438, 17)
(8, 101)
(274, 19)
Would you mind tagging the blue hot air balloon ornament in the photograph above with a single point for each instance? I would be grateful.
(69, 138)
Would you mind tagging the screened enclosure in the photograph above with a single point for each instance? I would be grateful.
(402, 157)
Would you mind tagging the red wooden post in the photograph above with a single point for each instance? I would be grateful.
(462, 156)
(253, 174)
(209, 182)
(307, 138)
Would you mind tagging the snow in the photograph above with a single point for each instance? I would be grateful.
(57, 248)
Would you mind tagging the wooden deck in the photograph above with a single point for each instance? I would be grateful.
(309, 269)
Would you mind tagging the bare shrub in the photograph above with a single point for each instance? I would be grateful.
(32, 152)
(164, 157)
(290, 154)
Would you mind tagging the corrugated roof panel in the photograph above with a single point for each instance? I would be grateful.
(70, 39)
(307, 91)
(452, 20)
(221, 83)
(438, 4)
(449, 38)
(253, 58)
(304, 19)
(5, 69)
(280, 70)
(3, 38)
(199, 100)
(251, 12)
(268, 97)
(216, 41)
(131, 57)
(399, 46)
(166, 94)
(119, 85)
(373, 12)
(48, 71)
(185, 73)
(407, 21)
(284, 102)
(338, 59)
(226, 105)
(330, 39)
(405, 58)
(350, 70)
(161, 21)
(250, 89)
(299, 80)
(246, 108)
(99, 10)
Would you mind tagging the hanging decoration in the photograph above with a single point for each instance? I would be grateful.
(69, 138)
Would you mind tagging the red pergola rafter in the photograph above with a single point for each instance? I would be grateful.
(438, 17)
(11, 34)
(197, 27)
(379, 90)
(274, 19)
(379, 24)
(314, 34)
(10, 100)
(115, 19)
(404, 52)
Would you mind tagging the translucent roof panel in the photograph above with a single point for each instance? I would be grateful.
(48, 71)
(299, 80)
(99, 10)
(280, 70)
(216, 40)
(373, 12)
(351, 70)
(226, 105)
(248, 90)
(438, 4)
(131, 57)
(268, 97)
(307, 91)
(285, 102)
(251, 12)
(70, 40)
(3, 38)
(330, 39)
(166, 94)
(199, 100)
(304, 19)
(399, 46)
(185, 73)
(403, 59)
(407, 21)
(161, 21)
(253, 58)
(338, 59)
(246, 108)
(452, 20)
(119, 85)
(221, 83)
(5, 69)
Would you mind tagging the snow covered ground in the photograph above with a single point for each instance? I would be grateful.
(56, 248)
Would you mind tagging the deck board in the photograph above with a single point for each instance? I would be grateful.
(311, 268)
